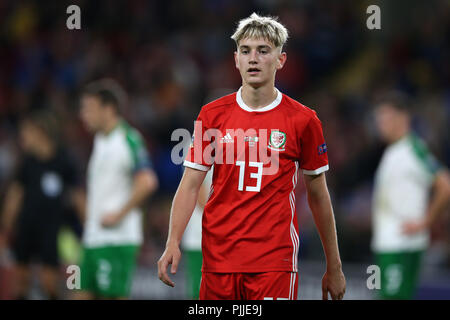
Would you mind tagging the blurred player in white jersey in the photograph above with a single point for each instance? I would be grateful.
(120, 178)
(403, 211)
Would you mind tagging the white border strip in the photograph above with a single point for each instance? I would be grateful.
(194, 165)
(290, 288)
(294, 235)
(272, 105)
(293, 297)
(317, 171)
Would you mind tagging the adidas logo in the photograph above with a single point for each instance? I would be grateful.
(227, 138)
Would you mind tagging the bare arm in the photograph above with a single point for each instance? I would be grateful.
(78, 201)
(182, 207)
(441, 196)
(145, 183)
(12, 205)
(202, 196)
(438, 203)
(322, 210)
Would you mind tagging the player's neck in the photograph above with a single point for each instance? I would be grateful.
(110, 124)
(400, 134)
(260, 97)
(45, 151)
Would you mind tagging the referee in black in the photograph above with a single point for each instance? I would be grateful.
(33, 210)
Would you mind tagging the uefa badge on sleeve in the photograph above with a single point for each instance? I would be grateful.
(277, 140)
(322, 149)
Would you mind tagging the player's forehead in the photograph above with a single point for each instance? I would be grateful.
(26, 124)
(255, 43)
(90, 100)
(387, 109)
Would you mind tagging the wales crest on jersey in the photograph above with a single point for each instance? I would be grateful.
(277, 140)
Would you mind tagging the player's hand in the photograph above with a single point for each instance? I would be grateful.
(172, 256)
(333, 282)
(413, 227)
(111, 219)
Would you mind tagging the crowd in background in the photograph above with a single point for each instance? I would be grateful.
(172, 57)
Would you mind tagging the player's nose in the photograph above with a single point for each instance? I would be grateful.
(253, 57)
(253, 62)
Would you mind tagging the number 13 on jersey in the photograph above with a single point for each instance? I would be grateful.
(254, 175)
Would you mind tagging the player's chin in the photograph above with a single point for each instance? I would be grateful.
(255, 81)
(90, 127)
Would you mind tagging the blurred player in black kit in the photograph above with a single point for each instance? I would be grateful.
(34, 204)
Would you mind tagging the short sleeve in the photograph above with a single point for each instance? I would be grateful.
(429, 163)
(139, 153)
(70, 173)
(313, 153)
(198, 156)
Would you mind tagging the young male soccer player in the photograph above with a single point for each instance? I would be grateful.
(119, 179)
(250, 236)
(402, 209)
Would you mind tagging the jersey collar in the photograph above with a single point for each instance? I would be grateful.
(119, 124)
(271, 106)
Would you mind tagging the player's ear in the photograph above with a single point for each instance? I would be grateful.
(236, 60)
(281, 60)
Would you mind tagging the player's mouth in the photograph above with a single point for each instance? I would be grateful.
(253, 71)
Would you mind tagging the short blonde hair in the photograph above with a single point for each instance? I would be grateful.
(258, 27)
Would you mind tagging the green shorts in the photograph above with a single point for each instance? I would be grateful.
(399, 274)
(107, 272)
(194, 272)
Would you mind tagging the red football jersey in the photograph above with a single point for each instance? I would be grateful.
(250, 221)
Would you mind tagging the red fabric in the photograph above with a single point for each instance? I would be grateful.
(249, 286)
(250, 222)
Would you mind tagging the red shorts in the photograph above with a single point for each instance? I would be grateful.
(249, 286)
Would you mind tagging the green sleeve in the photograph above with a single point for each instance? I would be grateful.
(429, 162)
(139, 153)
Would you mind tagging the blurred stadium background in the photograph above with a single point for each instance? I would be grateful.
(174, 56)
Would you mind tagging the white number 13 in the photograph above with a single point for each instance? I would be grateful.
(254, 175)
